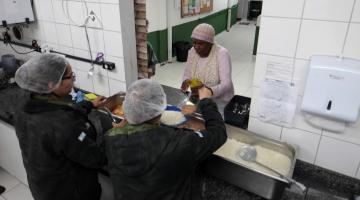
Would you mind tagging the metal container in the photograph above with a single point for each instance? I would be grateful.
(265, 185)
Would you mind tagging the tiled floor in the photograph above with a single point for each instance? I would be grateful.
(15, 190)
(239, 42)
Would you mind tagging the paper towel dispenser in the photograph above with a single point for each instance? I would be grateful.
(333, 88)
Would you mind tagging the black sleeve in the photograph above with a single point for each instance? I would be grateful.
(214, 136)
(83, 149)
(84, 107)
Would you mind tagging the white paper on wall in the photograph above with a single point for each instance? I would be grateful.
(278, 71)
(277, 103)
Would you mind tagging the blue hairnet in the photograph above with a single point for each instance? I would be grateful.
(42, 73)
(144, 100)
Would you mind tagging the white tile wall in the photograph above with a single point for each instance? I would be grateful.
(101, 85)
(113, 43)
(84, 54)
(276, 8)
(264, 129)
(351, 133)
(274, 30)
(55, 29)
(52, 46)
(96, 38)
(298, 30)
(64, 35)
(49, 29)
(306, 141)
(85, 81)
(79, 38)
(321, 38)
(328, 10)
(254, 101)
(119, 72)
(331, 155)
(110, 17)
(116, 86)
(356, 12)
(353, 42)
(300, 74)
(58, 12)
(100, 71)
(45, 10)
(76, 12)
(65, 49)
(95, 7)
(110, 1)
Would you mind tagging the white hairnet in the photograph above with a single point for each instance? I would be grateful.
(42, 73)
(144, 100)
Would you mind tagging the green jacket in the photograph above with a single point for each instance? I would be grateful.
(155, 162)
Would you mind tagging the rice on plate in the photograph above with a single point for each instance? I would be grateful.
(172, 118)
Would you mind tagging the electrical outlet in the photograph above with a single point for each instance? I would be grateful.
(109, 65)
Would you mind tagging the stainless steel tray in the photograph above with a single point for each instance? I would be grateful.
(252, 180)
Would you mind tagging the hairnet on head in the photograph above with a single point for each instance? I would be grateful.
(144, 100)
(42, 73)
(204, 32)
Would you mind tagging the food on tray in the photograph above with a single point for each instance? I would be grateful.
(114, 101)
(118, 110)
(268, 157)
(172, 118)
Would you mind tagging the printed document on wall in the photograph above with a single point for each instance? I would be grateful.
(277, 102)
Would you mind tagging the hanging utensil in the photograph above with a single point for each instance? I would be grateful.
(249, 153)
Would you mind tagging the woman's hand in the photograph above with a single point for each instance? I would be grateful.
(185, 85)
(205, 92)
(98, 102)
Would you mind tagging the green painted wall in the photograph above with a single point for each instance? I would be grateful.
(158, 40)
(182, 32)
(234, 11)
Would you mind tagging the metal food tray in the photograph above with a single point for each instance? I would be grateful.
(265, 185)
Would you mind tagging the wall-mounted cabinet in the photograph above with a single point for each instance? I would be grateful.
(15, 11)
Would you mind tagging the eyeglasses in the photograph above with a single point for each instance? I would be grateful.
(73, 76)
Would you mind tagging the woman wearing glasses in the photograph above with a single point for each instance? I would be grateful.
(58, 142)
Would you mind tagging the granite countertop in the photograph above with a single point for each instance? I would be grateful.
(320, 183)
